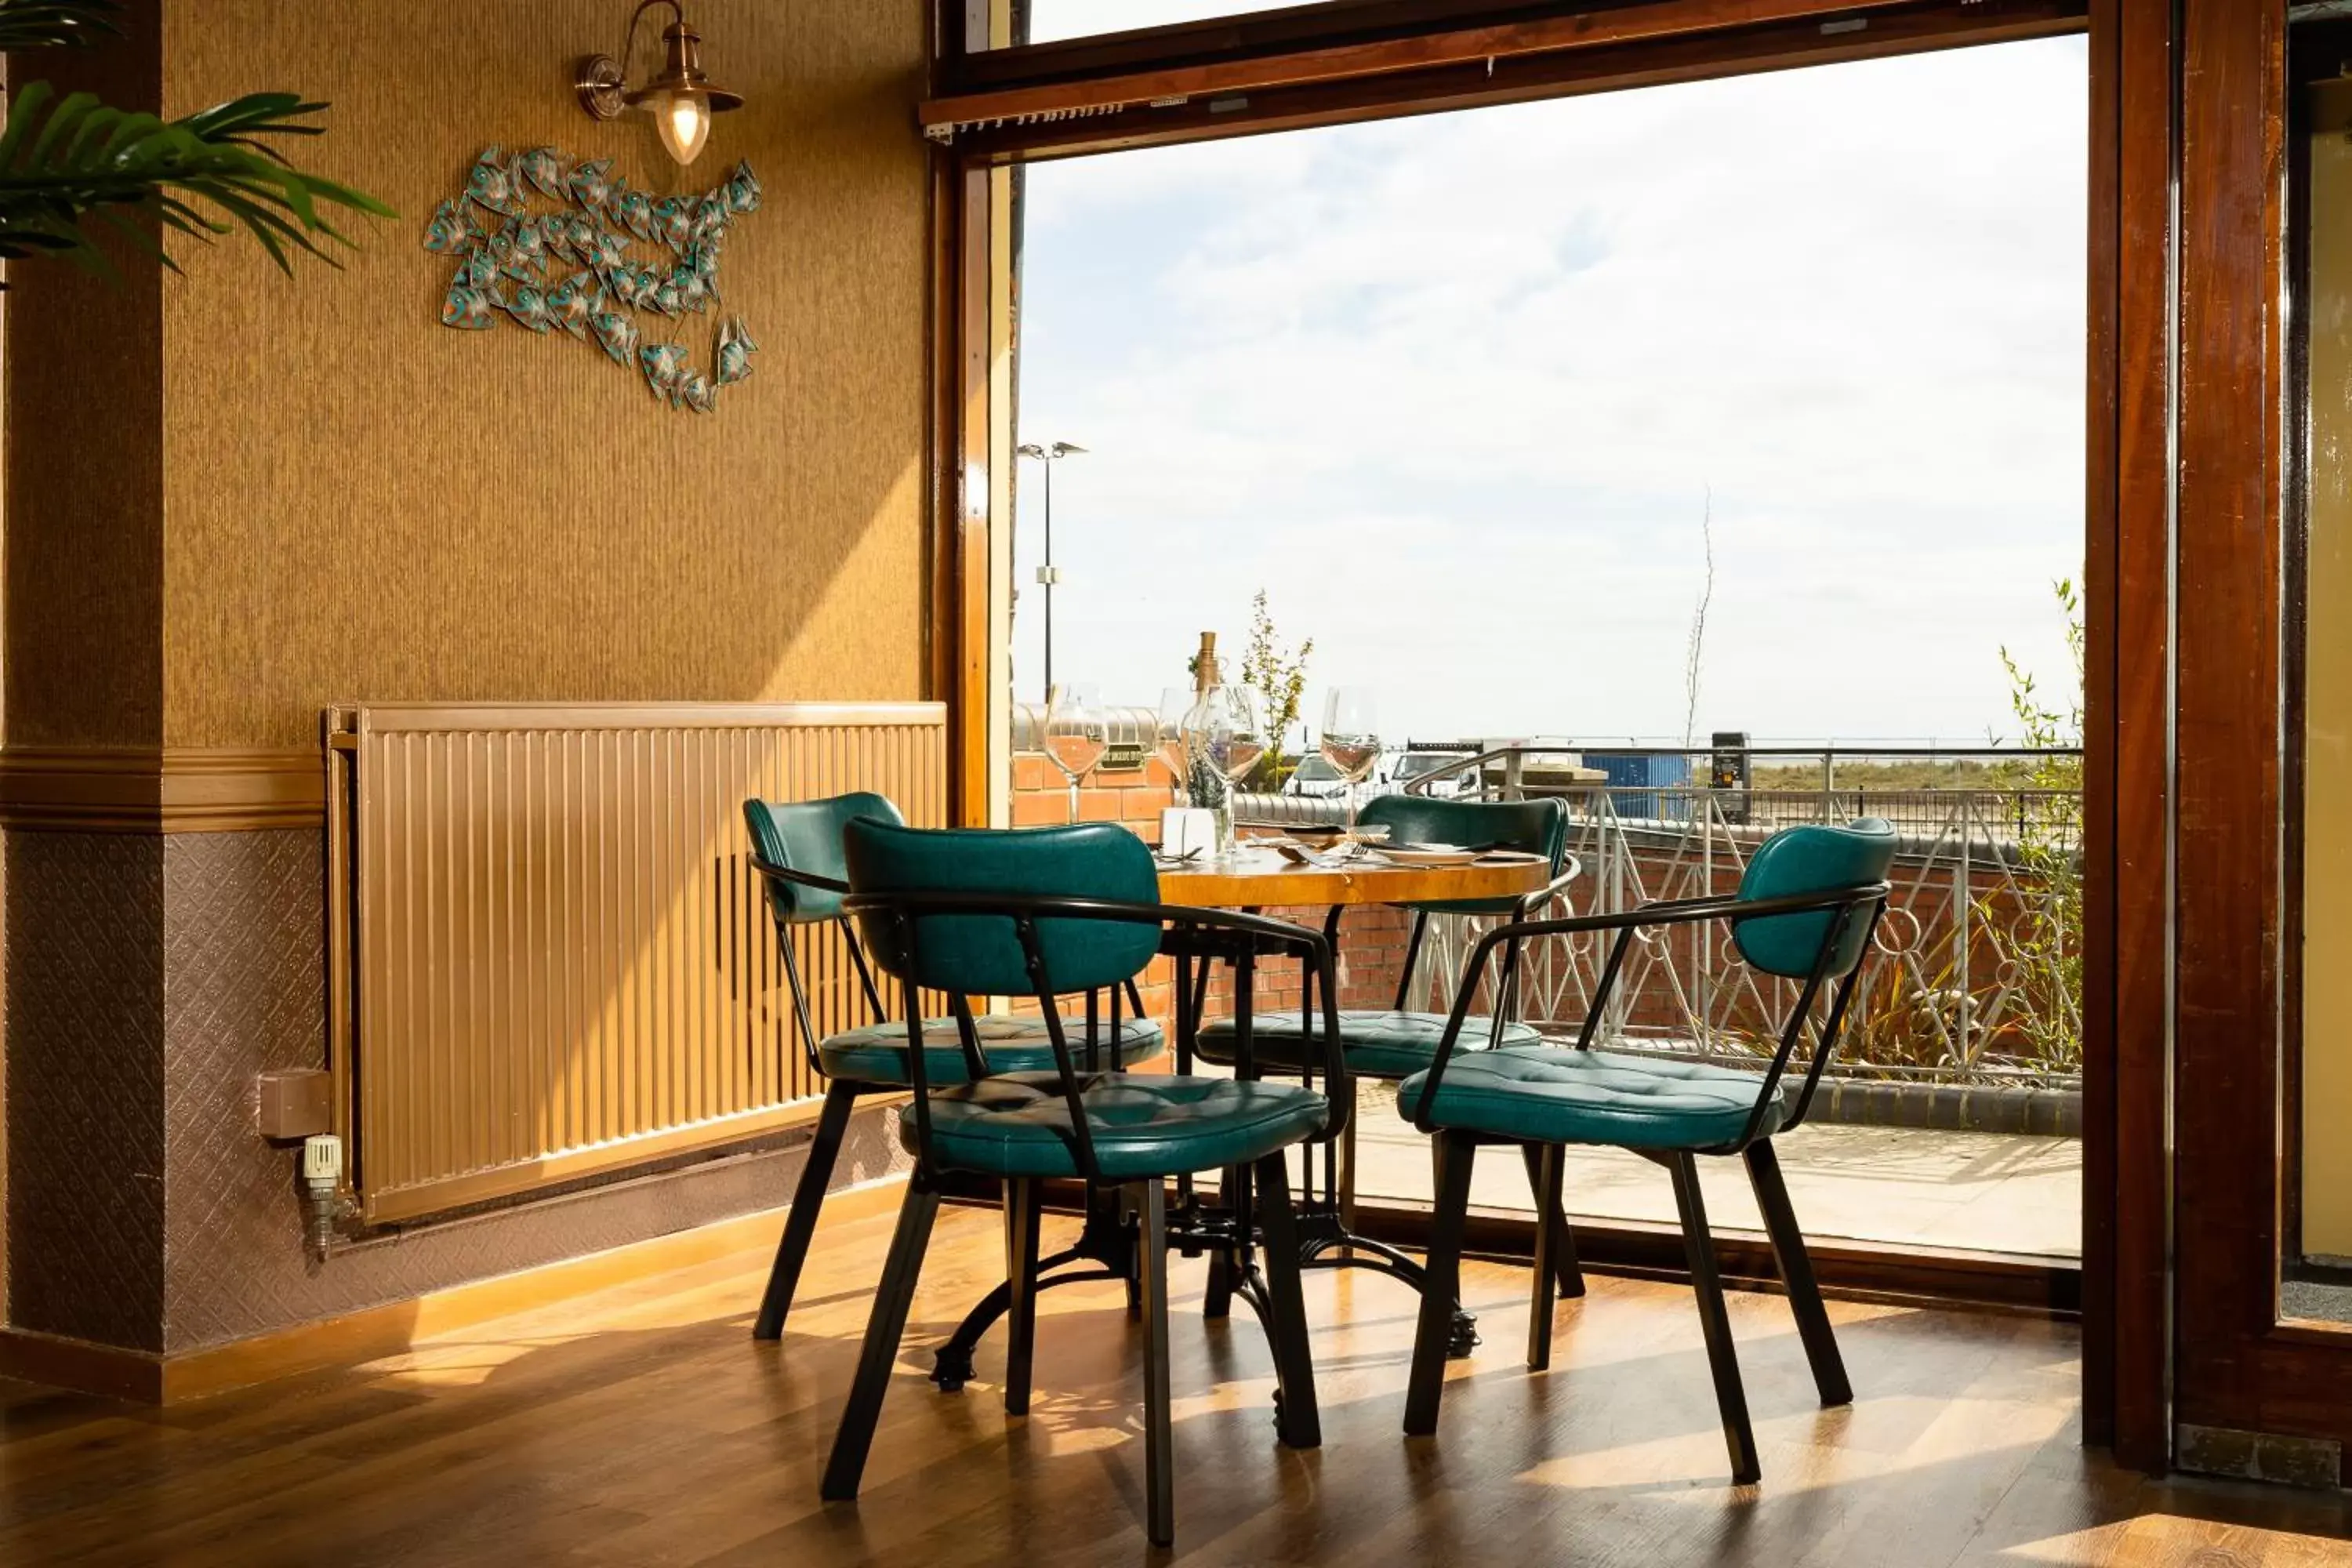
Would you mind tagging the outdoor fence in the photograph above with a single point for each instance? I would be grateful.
(1975, 972)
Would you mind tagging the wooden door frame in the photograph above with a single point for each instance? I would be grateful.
(2239, 1365)
(1272, 71)
(2127, 827)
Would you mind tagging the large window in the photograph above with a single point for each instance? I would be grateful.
(1752, 405)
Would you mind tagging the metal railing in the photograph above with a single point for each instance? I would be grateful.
(1975, 976)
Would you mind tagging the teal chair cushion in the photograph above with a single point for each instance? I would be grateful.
(878, 1053)
(981, 954)
(805, 836)
(1534, 826)
(1379, 1044)
(1558, 1095)
(1143, 1125)
(1812, 859)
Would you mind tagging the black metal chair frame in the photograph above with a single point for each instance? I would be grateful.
(1327, 1235)
(1282, 1307)
(841, 1096)
(1456, 1151)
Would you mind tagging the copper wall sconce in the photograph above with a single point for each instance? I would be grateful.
(681, 99)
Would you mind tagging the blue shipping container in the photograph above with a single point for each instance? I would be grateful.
(1649, 774)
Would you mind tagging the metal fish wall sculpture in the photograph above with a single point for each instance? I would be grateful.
(577, 269)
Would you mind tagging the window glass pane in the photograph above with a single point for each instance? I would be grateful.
(1607, 424)
(1050, 20)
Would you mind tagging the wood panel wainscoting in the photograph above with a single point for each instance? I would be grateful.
(394, 1327)
(549, 955)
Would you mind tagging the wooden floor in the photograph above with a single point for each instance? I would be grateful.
(643, 1427)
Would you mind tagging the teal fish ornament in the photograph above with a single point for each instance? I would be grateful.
(608, 251)
(735, 351)
(469, 308)
(525, 257)
(543, 168)
(710, 217)
(528, 309)
(674, 222)
(635, 210)
(490, 186)
(617, 335)
(447, 233)
(695, 391)
(591, 183)
(572, 301)
(663, 364)
(744, 190)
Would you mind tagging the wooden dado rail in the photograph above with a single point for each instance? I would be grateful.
(549, 956)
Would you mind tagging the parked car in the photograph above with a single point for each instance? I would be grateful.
(1413, 764)
(1316, 779)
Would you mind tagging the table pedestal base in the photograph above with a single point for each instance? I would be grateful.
(1106, 1249)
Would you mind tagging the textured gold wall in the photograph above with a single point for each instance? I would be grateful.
(361, 504)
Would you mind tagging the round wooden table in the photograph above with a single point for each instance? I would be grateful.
(1258, 878)
(1261, 878)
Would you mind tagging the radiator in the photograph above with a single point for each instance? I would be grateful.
(549, 956)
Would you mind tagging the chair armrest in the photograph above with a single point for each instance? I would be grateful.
(1684, 911)
(1553, 888)
(804, 878)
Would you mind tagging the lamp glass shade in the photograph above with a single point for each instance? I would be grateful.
(682, 115)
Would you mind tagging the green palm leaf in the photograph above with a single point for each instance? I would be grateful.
(46, 23)
(64, 161)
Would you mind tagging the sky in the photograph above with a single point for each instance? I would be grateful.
(1458, 391)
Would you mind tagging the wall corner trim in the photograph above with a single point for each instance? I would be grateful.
(161, 789)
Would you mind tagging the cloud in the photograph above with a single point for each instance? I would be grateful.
(1455, 388)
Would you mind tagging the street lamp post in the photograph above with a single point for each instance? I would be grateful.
(1048, 574)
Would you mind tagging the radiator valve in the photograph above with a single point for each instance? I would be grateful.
(330, 1208)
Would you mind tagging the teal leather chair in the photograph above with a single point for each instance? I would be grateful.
(1807, 908)
(1047, 913)
(796, 849)
(1395, 1044)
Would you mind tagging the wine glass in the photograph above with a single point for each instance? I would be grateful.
(1168, 739)
(1224, 736)
(1237, 738)
(1351, 738)
(1077, 734)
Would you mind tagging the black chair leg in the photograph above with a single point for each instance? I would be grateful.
(1441, 1283)
(1158, 1432)
(1021, 1276)
(1564, 1266)
(1722, 1355)
(1543, 1162)
(1296, 1419)
(1797, 1274)
(892, 1299)
(800, 1220)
